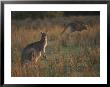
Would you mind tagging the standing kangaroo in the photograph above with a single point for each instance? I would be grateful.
(32, 52)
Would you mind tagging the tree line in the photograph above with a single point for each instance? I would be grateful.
(49, 14)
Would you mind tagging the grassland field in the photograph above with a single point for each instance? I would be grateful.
(76, 54)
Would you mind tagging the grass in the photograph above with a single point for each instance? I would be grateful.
(75, 54)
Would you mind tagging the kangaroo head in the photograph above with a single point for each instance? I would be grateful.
(43, 35)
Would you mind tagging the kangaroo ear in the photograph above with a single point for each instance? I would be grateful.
(41, 32)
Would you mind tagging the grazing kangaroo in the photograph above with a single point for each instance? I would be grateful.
(32, 52)
(74, 26)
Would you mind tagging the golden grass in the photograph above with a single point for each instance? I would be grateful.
(75, 54)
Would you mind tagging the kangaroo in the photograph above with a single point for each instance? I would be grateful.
(75, 26)
(32, 52)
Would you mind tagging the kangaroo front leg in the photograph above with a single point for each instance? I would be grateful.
(44, 54)
(44, 50)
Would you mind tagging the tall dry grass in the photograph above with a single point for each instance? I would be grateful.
(75, 54)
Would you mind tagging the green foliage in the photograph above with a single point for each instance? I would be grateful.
(36, 14)
(49, 14)
(55, 14)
